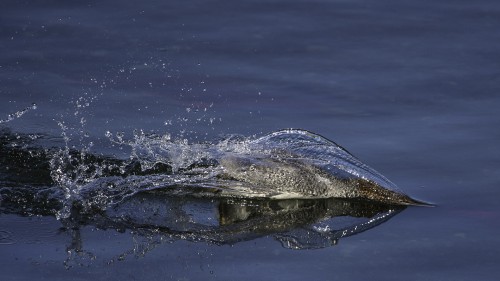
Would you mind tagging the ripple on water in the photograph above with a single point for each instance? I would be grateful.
(6, 238)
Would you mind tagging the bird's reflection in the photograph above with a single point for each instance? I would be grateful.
(297, 224)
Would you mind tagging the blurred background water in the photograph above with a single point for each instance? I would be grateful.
(410, 87)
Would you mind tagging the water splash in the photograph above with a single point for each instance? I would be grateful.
(169, 189)
(284, 164)
(18, 114)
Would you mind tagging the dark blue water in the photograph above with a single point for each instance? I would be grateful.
(411, 88)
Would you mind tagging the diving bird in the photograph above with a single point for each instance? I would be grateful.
(300, 164)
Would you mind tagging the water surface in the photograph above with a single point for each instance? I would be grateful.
(411, 88)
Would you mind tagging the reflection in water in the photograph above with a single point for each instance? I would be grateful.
(298, 224)
(153, 219)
